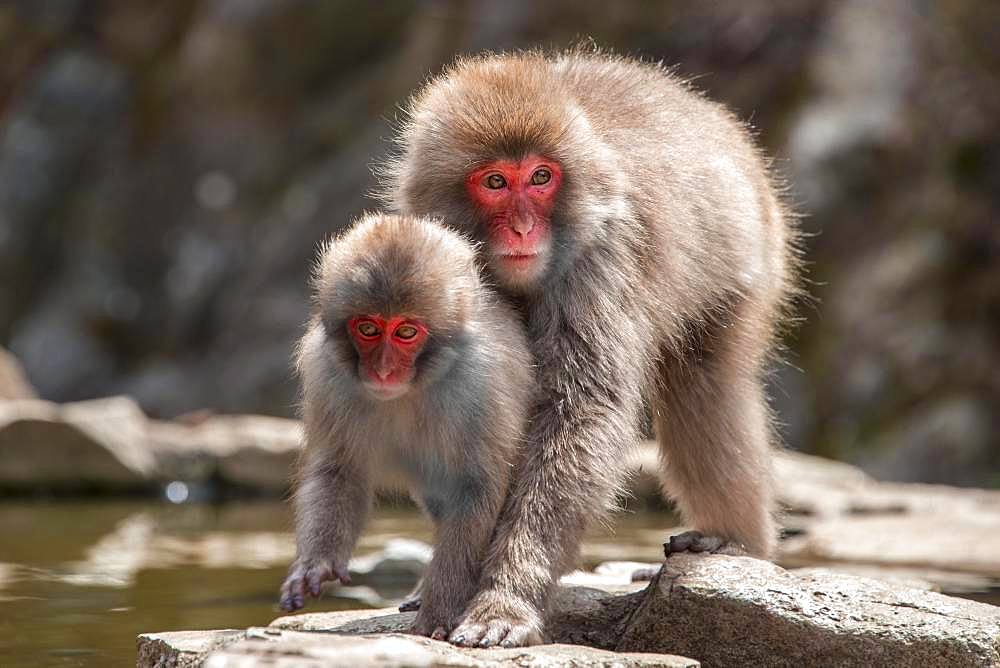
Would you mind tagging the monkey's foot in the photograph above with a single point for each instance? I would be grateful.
(496, 619)
(696, 541)
(307, 578)
(645, 574)
(410, 603)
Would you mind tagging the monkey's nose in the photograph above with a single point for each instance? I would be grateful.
(383, 373)
(522, 225)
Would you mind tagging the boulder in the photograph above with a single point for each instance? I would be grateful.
(90, 444)
(742, 611)
(13, 383)
(110, 444)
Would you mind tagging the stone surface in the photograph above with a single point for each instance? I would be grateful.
(742, 611)
(90, 444)
(13, 383)
(284, 649)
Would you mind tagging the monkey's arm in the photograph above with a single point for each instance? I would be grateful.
(589, 395)
(331, 504)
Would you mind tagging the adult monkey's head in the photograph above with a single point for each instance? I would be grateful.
(505, 154)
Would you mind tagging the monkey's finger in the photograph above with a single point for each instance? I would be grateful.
(314, 581)
(291, 594)
(439, 634)
(340, 572)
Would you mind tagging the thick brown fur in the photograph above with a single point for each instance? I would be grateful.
(673, 263)
(452, 439)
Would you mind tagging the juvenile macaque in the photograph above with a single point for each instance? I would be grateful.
(411, 370)
(634, 225)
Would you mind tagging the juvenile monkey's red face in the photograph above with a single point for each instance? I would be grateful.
(387, 350)
(514, 199)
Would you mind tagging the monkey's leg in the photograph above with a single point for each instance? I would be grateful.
(587, 417)
(715, 436)
(463, 536)
(331, 504)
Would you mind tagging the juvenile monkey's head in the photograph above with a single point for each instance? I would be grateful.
(395, 295)
(498, 146)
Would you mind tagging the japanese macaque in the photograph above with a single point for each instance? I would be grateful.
(411, 371)
(635, 226)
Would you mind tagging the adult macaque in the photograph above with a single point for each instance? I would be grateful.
(636, 228)
(411, 370)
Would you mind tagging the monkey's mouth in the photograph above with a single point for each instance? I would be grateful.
(519, 258)
(386, 391)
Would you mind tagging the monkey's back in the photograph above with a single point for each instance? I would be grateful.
(697, 181)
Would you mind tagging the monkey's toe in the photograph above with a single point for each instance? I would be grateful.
(410, 605)
(644, 574)
(696, 541)
(467, 635)
(495, 633)
(521, 635)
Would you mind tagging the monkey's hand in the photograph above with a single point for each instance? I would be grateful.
(306, 577)
(696, 541)
(501, 619)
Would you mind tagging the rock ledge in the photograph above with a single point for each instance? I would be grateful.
(719, 610)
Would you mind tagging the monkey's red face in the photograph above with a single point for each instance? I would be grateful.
(388, 349)
(514, 199)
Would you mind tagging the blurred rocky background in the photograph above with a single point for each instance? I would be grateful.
(167, 168)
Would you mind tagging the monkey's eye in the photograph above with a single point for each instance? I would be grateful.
(367, 329)
(406, 332)
(495, 182)
(541, 176)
